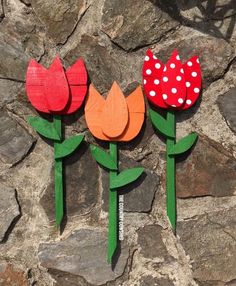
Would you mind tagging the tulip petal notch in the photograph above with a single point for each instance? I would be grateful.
(56, 92)
(174, 87)
(114, 119)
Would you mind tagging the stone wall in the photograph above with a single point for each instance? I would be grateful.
(112, 36)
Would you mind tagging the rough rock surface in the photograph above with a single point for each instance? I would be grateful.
(210, 242)
(79, 182)
(150, 241)
(138, 196)
(134, 24)
(83, 253)
(201, 175)
(227, 105)
(149, 280)
(15, 141)
(9, 210)
(112, 37)
(62, 21)
(11, 276)
(97, 59)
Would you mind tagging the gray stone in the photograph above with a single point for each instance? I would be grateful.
(209, 170)
(97, 59)
(133, 24)
(152, 281)
(227, 106)
(189, 42)
(151, 243)
(13, 60)
(81, 185)
(60, 20)
(9, 91)
(9, 210)
(83, 254)
(66, 279)
(21, 37)
(210, 240)
(216, 18)
(139, 195)
(15, 141)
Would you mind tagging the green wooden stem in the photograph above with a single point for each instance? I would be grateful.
(170, 174)
(113, 209)
(58, 168)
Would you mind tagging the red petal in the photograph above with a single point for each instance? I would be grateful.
(76, 99)
(173, 82)
(56, 87)
(35, 77)
(193, 77)
(152, 74)
(77, 74)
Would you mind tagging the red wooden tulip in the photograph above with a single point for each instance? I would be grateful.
(54, 90)
(174, 85)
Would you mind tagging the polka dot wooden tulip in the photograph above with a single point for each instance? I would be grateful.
(56, 92)
(174, 86)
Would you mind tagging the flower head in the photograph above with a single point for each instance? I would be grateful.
(117, 118)
(174, 85)
(54, 90)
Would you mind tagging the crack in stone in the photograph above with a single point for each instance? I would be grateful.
(221, 76)
(221, 227)
(75, 27)
(140, 47)
(3, 11)
(12, 79)
(26, 4)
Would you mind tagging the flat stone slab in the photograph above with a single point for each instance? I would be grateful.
(9, 90)
(133, 24)
(60, 22)
(83, 253)
(190, 42)
(149, 280)
(9, 209)
(208, 170)
(151, 243)
(227, 106)
(210, 241)
(15, 141)
(139, 195)
(81, 185)
(97, 59)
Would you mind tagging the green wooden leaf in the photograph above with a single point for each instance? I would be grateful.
(161, 124)
(103, 158)
(125, 177)
(44, 127)
(183, 144)
(68, 146)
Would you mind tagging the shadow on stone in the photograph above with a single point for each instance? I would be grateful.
(205, 16)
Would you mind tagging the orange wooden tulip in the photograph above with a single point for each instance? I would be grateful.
(115, 118)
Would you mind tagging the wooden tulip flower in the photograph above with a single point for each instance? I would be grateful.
(57, 92)
(114, 119)
(174, 87)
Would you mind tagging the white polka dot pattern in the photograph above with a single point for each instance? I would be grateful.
(193, 81)
(174, 85)
(152, 86)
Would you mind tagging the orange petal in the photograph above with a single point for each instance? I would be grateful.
(93, 112)
(136, 107)
(115, 113)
